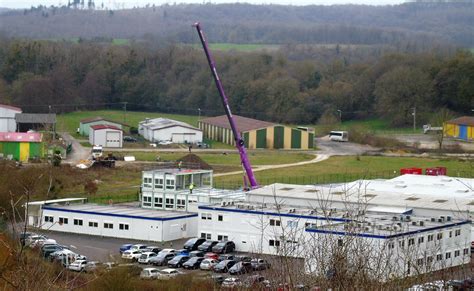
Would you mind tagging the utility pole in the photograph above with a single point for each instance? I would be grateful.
(199, 112)
(414, 119)
(340, 115)
(124, 112)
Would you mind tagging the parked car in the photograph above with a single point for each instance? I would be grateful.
(193, 263)
(208, 264)
(231, 282)
(161, 259)
(125, 247)
(193, 243)
(128, 138)
(25, 235)
(145, 257)
(153, 249)
(259, 264)
(182, 252)
(207, 245)
(218, 279)
(91, 266)
(41, 243)
(138, 247)
(224, 257)
(131, 255)
(77, 265)
(165, 142)
(32, 238)
(255, 281)
(47, 250)
(166, 274)
(196, 254)
(167, 251)
(149, 273)
(202, 145)
(178, 261)
(224, 247)
(243, 259)
(224, 266)
(211, 256)
(241, 268)
(59, 255)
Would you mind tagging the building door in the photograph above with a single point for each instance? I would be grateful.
(112, 139)
(463, 132)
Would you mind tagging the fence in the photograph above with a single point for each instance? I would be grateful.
(110, 199)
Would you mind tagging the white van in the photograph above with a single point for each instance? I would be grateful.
(339, 136)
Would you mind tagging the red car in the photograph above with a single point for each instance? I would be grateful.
(213, 256)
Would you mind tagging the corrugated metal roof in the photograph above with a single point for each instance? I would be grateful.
(104, 126)
(161, 123)
(242, 123)
(45, 118)
(98, 118)
(463, 120)
(10, 107)
(21, 136)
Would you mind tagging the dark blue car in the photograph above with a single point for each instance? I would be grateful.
(125, 247)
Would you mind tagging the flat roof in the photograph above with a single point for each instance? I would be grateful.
(432, 192)
(53, 201)
(121, 211)
(176, 171)
(202, 192)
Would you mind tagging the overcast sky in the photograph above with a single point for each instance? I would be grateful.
(130, 3)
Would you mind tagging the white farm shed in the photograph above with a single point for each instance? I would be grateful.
(120, 221)
(161, 129)
(7, 118)
(106, 135)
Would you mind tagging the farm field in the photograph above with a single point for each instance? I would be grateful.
(243, 47)
(340, 169)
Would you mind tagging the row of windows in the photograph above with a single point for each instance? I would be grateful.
(169, 202)
(79, 222)
(440, 257)
(220, 237)
(421, 239)
(208, 216)
(158, 183)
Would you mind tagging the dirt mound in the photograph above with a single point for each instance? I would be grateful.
(194, 162)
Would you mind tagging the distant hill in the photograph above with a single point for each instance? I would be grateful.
(421, 24)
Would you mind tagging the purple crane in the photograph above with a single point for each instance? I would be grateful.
(238, 138)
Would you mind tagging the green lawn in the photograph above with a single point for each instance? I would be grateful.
(230, 159)
(373, 125)
(337, 169)
(120, 41)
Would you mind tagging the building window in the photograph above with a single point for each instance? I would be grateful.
(391, 245)
(48, 218)
(93, 224)
(169, 184)
(292, 223)
(430, 237)
(340, 242)
(221, 237)
(419, 262)
(429, 259)
(450, 234)
(181, 203)
(146, 200)
(310, 225)
(169, 203)
(220, 217)
(159, 202)
(457, 253)
(448, 255)
(158, 183)
(108, 225)
(63, 220)
(206, 216)
(439, 236)
(457, 232)
(147, 182)
(466, 251)
(275, 222)
(401, 244)
(411, 241)
(274, 243)
(123, 226)
(206, 235)
(439, 257)
(421, 239)
(78, 222)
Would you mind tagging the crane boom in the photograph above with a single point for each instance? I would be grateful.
(237, 137)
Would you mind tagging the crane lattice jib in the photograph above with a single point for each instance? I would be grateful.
(238, 138)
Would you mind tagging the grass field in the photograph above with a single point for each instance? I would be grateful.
(230, 159)
(373, 125)
(337, 169)
(244, 47)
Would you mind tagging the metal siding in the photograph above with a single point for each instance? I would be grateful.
(304, 140)
(278, 137)
(270, 137)
(24, 151)
(311, 140)
(287, 139)
(295, 139)
(35, 149)
(252, 139)
(470, 132)
(12, 148)
(262, 138)
(1, 147)
(245, 136)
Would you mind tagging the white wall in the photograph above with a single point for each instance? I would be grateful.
(7, 120)
(177, 134)
(141, 229)
(98, 137)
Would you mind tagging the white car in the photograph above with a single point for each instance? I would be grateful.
(165, 142)
(231, 282)
(145, 257)
(31, 239)
(149, 273)
(167, 251)
(77, 265)
(41, 242)
(208, 264)
(131, 255)
(166, 274)
(137, 247)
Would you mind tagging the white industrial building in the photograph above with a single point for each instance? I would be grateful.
(119, 221)
(408, 245)
(106, 135)
(86, 124)
(7, 118)
(169, 189)
(163, 129)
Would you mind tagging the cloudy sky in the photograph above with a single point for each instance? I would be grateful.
(131, 3)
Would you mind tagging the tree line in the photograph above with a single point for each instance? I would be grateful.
(263, 85)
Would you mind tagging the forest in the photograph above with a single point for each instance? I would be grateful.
(411, 26)
(264, 85)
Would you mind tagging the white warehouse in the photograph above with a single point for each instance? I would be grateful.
(7, 118)
(163, 129)
(106, 135)
(119, 221)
